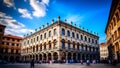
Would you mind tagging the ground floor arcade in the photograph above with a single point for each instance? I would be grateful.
(60, 56)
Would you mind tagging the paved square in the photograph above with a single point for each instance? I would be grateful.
(16, 65)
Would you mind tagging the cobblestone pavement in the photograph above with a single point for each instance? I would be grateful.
(77, 65)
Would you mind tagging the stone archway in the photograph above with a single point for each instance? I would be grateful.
(69, 56)
(6, 58)
(40, 56)
(17, 58)
(49, 56)
(36, 57)
(11, 58)
(74, 57)
(78, 56)
(0, 57)
(63, 56)
(44, 56)
(55, 56)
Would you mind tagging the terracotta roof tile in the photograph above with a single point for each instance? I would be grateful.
(11, 36)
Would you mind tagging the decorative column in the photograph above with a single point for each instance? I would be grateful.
(76, 56)
(66, 56)
(59, 55)
(81, 56)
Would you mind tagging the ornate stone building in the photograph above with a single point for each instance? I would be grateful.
(10, 46)
(60, 41)
(103, 50)
(113, 31)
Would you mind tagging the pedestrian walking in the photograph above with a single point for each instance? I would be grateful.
(32, 64)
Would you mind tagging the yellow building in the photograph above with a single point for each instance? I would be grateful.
(113, 31)
(103, 51)
(60, 41)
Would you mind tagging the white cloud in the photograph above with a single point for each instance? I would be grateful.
(45, 1)
(74, 18)
(13, 26)
(9, 3)
(9, 21)
(25, 13)
(39, 7)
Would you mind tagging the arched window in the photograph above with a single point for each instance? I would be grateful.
(73, 46)
(81, 37)
(45, 46)
(96, 42)
(68, 44)
(37, 38)
(41, 37)
(117, 16)
(55, 31)
(49, 33)
(63, 44)
(41, 47)
(73, 35)
(77, 36)
(85, 38)
(89, 39)
(92, 40)
(63, 31)
(44, 35)
(68, 33)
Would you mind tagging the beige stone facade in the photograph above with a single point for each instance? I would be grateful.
(60, 41)
(113, 31)
(103, 51)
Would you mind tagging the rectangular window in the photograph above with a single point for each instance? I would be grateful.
(0, 29)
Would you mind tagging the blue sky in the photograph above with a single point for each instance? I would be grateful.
(24, 16)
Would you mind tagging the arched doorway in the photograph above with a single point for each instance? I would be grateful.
(78, 56)
(44, 57)
(55, 56)
(40, 57)
(63, 56)
(6, 58)
(17, 58)
(0, 57)
(49, 56)
(74, 57)
(11, 59)
(30, 57)
(83, 56)
(37, 57)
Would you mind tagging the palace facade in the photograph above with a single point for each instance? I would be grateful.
(60, 41)
(103, 51)
(113, 31)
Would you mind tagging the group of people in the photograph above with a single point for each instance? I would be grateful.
(88, 62)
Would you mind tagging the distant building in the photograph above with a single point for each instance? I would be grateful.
(2, 28)
(103, 50)
(113, 31)
(60, 41)
(10, 48)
